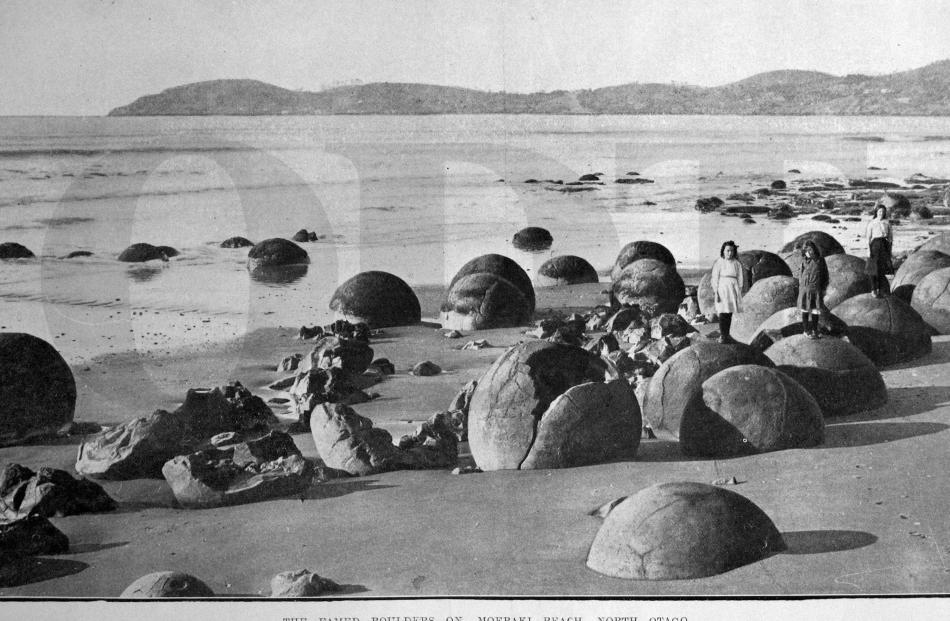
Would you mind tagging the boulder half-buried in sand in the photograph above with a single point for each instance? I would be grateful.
(566, 270)
(162, 584)
(678, 531)
(379, 299)
(499, 265)
(276, 252)
(749, 409)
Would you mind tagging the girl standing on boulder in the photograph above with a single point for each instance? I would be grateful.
(880, 237)
(729, 283)
(812, 283)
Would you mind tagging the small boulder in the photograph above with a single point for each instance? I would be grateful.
(566, 270)
(301, 583)
(276, 252)
(640, 249)
(351, 355)
(78, 254)
(167, 584)
(532, 239)
(624, 318)
(383, 366)
(681, 531)
(654, 286)
(778, 184)
(706, 205)
(887, 330)
(301, 236)
(760, 302)
(138, 253)
(236, 242)
(483, 300)
(931, 299)
(31, 536)
(289, 363)
(669, 325)
(13, 250)
(426, 368)
(378, 299)
(749, 409)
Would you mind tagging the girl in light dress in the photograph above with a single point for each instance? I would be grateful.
(729, 283)
(880, 237)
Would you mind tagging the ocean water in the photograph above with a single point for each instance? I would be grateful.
(415, 196)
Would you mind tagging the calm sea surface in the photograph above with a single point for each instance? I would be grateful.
(415, 196)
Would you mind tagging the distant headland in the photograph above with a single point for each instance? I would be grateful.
(919, 92)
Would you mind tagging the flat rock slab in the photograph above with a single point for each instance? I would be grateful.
(679, 531)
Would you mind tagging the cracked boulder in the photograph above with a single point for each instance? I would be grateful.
(640, 249)
(679, 531)
(566, 269)
(674, 383)
(840, 378)
(761, 301)
(512, 399)
(481, 301)
(917, 265)
(351, 355)
(37, 389)
(166, 584)
(788, 322)
(931, 299)
(499, 265)
(140, 447)
(47, 493)
(347, 441)
(887, 330)
(749, 409)
(379, 299)
(654, 286)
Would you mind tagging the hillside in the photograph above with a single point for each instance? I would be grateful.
(924, 91)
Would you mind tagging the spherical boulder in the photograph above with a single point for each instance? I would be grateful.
(162, 584)
(917, 265)
(840, 378)
(846, 278)
(932, 299)
(788, 322)
(532, 238)
(276, 252)
(827, 245)
(760, 302)
(640, 249)
(672, 386)
(236, 242)
(378, 299)
(940, 243)
(654, 286)
(37, 389)
(566, 270)
(13, 250)
(679, 531)
(887, 330)
(482, 301)
(761, 264)
(515, 393)
(499, 265)
(749, 409)
(167, 252)
(138, 253)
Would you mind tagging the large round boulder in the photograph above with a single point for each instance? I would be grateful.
(37, 389)
(940, 243)
(276, 252)
(654, 286)
(846, 278)
(481, 301)
(672, 386)
(749, 409)
(760, 302)
(840, 378)
(499, 265)
(640, 249)
(378, 299)
(932, 299)
(139, 253)
(760, 264)
(827, 245)
(566, 270)
(788, 322)
(524, 413)
(913, 270)
(164, 584)
(532, 239)
(679, 531)
(13, 250)
(887, 330)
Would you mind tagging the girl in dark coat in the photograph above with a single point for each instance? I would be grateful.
(812, 284)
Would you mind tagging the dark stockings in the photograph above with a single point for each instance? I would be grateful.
(725, 323)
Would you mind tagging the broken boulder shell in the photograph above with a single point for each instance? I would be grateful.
(37, 389)
(566, 270)
(931, 299)
(840, 378)
(301, 583)
(760, 302)
(887, 330)
(673, 385)
(499, 265)
(481, 301)
(640, 249)
(654, 286)
(913, 270)
(749, 409)
(162, 584)
(347, 441)
(379, 299)
(679, 531)
(514, 394)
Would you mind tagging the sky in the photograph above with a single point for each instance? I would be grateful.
(85, 57)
